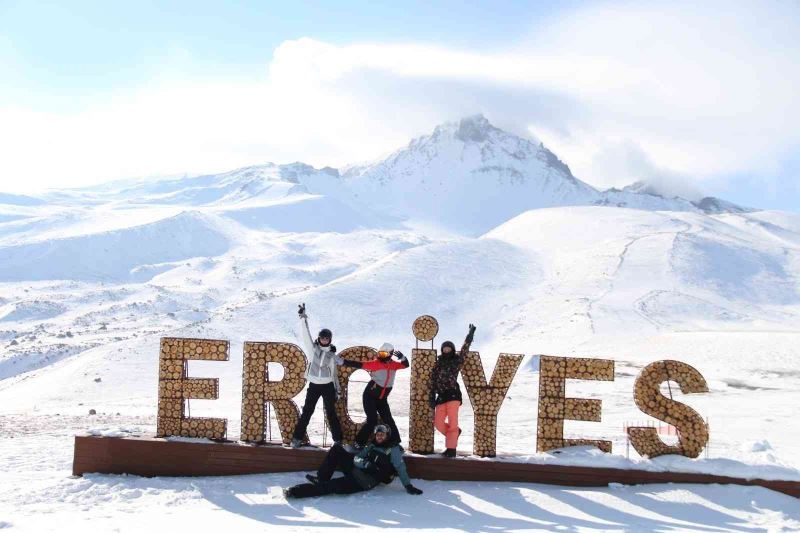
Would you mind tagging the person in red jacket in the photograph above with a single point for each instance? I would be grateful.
(375, 397)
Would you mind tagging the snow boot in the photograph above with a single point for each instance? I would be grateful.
(296, 443)
(449, 452)
(312, 478)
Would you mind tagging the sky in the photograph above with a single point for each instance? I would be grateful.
(699, 98)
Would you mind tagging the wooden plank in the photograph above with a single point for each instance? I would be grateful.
(158, 457)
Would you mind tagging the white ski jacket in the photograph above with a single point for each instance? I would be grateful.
(322, 362)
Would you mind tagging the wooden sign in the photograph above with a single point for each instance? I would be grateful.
(692, 429)
(174, 387)
(487, 398)
(555, 407)
(257, 389)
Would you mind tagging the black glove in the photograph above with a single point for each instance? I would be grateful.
(332, 348)
(301, 311)
(471, 333)
(398, 354)
(411, 489)
(432, 401)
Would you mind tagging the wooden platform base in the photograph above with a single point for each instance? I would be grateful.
(157, 457)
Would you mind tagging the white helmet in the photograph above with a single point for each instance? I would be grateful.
(386, 349)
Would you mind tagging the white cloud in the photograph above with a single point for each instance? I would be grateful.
(678, 92)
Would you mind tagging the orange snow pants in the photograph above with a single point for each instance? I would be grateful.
(446, 421)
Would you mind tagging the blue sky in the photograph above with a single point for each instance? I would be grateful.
(699, 99)
(80, 48)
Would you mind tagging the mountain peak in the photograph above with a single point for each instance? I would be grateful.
(474, 128)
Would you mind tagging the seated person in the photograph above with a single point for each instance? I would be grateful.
(377, 463)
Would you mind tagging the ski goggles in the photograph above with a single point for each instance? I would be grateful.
(383, 354)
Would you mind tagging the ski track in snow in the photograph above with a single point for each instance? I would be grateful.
(593, 301)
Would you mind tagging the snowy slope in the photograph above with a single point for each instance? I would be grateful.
(267, 181)
(558, 280)
(91, 278)
(653, 270)
(308, 213)
(626, 284)
(131, 254)
(21, 200)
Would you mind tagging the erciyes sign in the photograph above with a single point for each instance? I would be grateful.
(485, 396)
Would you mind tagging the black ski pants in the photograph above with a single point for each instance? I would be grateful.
(337, 459)
(328, 393)
(339, 485)
(374, 406)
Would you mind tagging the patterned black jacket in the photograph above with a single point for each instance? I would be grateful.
(444, 380)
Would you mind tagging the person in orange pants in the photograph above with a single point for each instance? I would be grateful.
(445, 396)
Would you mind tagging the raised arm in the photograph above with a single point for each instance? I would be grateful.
(305, 333)
(402, 360)
(467, 343)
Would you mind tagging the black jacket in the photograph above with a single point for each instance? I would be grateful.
(444, 386)
(379, 464)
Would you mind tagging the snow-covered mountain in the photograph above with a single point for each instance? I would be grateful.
(265, 183)
(707, 204)
(466, 177)
(268, 181)
(470, 176)
(189, 248)
(542, 262)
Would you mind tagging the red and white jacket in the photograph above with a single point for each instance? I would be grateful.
(382, 371)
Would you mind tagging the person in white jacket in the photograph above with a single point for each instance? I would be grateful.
(322, 380)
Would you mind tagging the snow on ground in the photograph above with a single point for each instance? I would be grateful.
(526, 289)
(91, 279)
(37, 494)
